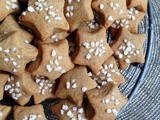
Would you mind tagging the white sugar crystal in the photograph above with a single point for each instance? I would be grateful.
(24, 13)
(127, 60)
(101, 6)
(109, 110)
(48, 67)
(88, 56)
(6, 59)
(68, 85)
(53, 53)
(65, 107)
(80, 110)
(1, 113)
(110, 18)
(74, 85)
(14, 6)
(62, 112)
(0, 48)
(6, 50)
(30, 9)
(84, 89)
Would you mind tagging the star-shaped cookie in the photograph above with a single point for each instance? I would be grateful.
(4, 112)
(108, 73)
(15, 53)
(35, 112)
(7, 7)
(129, 48)
(66, 110)
(139, 4)
(92, 49)
(10, 24)
(21, 88)
(44, 17)
(53, 60)
(110, 10)
(106, 102)
(3, 80)
(46, 88)
(74, 84)
(77, 12)
(134, 17)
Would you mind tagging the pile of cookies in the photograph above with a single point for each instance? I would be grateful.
(58, 49)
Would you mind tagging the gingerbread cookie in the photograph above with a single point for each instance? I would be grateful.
(139, 4)
(10, 24)
(21, 88)
(74, 84)
(77, 12)
(46, 88)
(106, 102)
(108, 73)
(92, 49)
(53, 60)
(4, 112)
(44, 17)
(129, 48)
(110, 10)
(7, 7)
(15, 53)
(3, 80)
(134, 17)
(66, 110)
(35, 112)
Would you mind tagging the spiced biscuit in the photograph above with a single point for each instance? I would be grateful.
(46, 89)
(8, 7)
(35, 112)
(4, 112)
(21, 88)
(10, 24)
(110, 10)
(129, 48)
(66, 110)
(44, 17)
(134, 17)
(92, 49)
(53, 60)
(106, 102)
(15, 53)
(108, 73)
(74, 84)
(139, 4)
(89, 26)
(77, 12)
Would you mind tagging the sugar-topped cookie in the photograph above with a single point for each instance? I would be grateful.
(66, 110)
(15, 53)
(106, 102)
(108, 73)
(44, 17)
(21, 88)
(110, 10)
(77, 12)
(129, 48)
(35, 112)
(92, 49)
(53, 60)
(7, 7)
(3, 80)
(74, 84)
(4, 112)
(46, 88)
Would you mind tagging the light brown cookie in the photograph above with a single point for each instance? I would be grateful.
(10, 24)
(4, 112)
(92, 49)
(53, 60)
(15, 53)
(46, 89)
(129, 48)
(134, 17)
(77, 12)
(7, 7)
(110, 10)
(3, 80)
(35, 112)
(106, 102)
(74, 84)
(21, 88)
(44, 17)
(139, 4)
(108, 73)
(66, 110)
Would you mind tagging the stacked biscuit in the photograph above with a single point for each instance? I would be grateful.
(58, 49)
